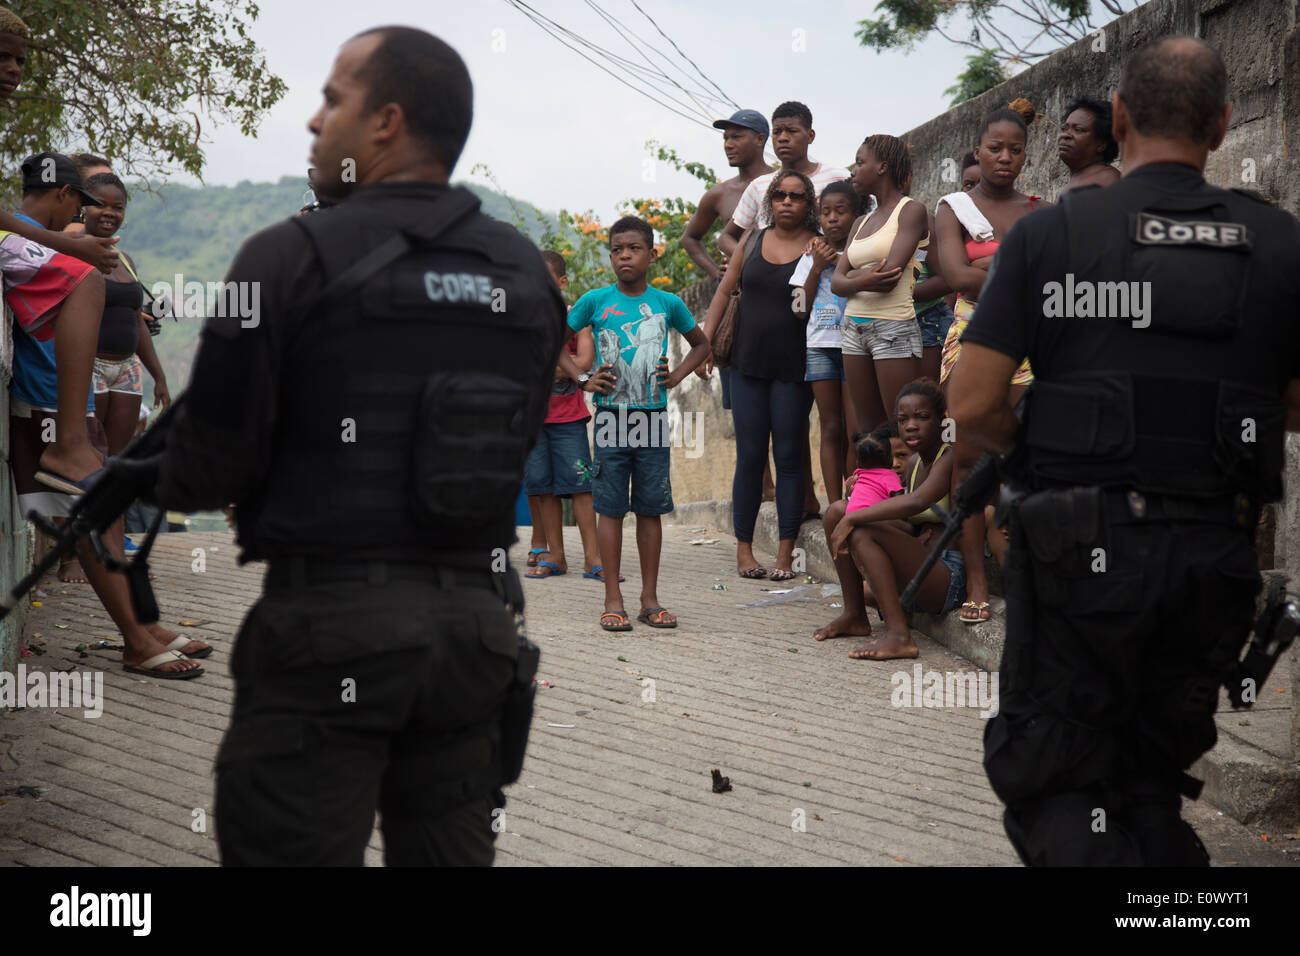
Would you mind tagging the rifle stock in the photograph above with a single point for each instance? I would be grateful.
(973, 493)
(125, 478)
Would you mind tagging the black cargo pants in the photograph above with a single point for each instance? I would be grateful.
(352, 696)
(1118, 635)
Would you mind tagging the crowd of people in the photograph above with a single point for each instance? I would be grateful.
(849, 296)
(81, 337)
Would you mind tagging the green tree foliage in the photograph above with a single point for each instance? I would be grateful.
(135, 80)
(1003, 34)
(195, 232)
(584, 241)
(983, 72)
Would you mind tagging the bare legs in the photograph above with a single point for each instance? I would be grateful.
(76, 339)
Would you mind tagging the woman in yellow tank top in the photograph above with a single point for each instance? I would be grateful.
(881, 341)
(886, 543)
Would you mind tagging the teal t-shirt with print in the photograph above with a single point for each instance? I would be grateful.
(631, 335)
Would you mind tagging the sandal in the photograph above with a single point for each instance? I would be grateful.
(982, 612)
(149, 667)
(182, 641)
(656, 617)
(753, 573)
(781, 574)
(595, 574)
(553, 570)
(532, 556)
(615, 621)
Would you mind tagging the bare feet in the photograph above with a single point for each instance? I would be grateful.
(887, 647)
(846, 625)
(70, 572)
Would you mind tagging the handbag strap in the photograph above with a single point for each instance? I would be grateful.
(754, 242)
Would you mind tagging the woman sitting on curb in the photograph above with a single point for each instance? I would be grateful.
(887, 542)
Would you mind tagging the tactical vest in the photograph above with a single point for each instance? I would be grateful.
(408, 405)
(1213, 261)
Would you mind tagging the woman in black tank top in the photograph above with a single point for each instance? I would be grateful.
(122, 331)
(769, 397)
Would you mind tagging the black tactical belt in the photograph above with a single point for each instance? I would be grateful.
(301, 572)
(1135, 507)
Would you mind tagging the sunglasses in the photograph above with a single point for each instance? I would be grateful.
(780, 195)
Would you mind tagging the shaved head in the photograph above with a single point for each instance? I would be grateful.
(1175, 88)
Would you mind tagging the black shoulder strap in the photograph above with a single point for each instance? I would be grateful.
(451, 209)
(754, 242)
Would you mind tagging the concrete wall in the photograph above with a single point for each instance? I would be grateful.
(15, 535)
(1258, 41)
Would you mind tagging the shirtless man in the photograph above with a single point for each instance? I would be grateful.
(1086, 144)
(743, 139)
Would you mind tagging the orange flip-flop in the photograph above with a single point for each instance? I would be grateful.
(615, 621)
(654, 616)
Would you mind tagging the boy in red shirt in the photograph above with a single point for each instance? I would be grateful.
(560, 464)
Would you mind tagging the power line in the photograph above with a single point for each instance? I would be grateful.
(684, 56)
(633, 39)
(573, 41)
(559, 33)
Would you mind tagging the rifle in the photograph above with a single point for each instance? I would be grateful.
(974, 493)
(125, 478)
(1274, 631)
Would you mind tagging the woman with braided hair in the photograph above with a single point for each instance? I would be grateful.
(881, 340)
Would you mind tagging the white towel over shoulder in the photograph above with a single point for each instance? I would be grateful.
(969, 215)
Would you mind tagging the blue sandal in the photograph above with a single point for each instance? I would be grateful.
(595, 575)
(554, 571)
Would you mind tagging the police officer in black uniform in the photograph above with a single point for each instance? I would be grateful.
(370, 420)
(1159, 315)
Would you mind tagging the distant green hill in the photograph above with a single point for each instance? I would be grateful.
(195, 231)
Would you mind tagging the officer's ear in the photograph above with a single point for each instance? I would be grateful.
(1119, 121)
(1221, 127)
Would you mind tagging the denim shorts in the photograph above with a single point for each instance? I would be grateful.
(957, 586)
(822, 364)
(560, 462)
(957, 583)
(935, 322)
(631, 447)
(882, 338)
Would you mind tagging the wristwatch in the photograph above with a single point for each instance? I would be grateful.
(583, 379)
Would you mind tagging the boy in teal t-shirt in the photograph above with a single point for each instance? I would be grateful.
(631, 322)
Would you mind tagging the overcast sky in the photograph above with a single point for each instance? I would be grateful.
(560, 133)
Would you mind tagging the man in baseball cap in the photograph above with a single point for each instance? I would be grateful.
(745, 119)
(55, 171)
(743, 139)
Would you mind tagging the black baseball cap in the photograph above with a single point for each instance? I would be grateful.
(52, 170)
(748, 119)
